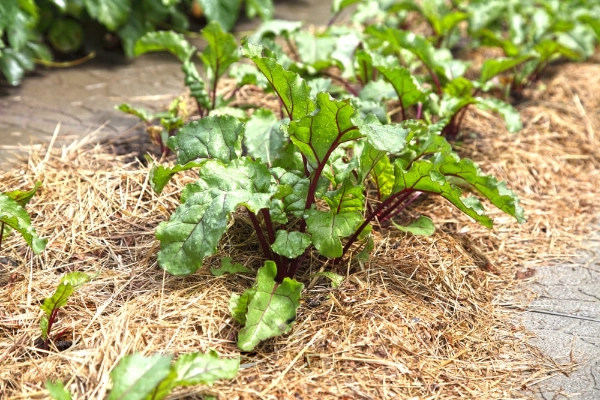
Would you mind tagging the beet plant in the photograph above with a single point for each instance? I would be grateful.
(14, 216)
(316, 180)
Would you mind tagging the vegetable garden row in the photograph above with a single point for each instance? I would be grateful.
(362, 127)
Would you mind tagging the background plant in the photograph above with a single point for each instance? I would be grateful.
(29, 29)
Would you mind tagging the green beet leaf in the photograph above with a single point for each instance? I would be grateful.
(200, 368)
(275, 28)
(238, 304)
(112, 13)
(14, 216)
(511, 115)
(194, 230)
(496, 66)
(196, 368)
(175, 43)
(136, 376)
(263, 138)
(377, 164)
(422, 226)
(272, 308)
(23, 197)
(349, 197)
(221, 50)
(326, 229)
(194, 81)
(217, 137)
(223, 12)
(68, 284)
(290, 244)
(316, 136)
(160, 176)
(263, 8)
(295, 198)
(336, 280)
(293, 91)
(424, 176)
(228, 268)
(57, 391)
(406, 87)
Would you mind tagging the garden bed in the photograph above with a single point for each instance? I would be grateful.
(424, 317)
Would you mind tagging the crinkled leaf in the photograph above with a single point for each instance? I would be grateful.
(336, 280)
(425, 176)
(57, 391)
(290, 244)
(111, 13)
(511, 115)
(221, 50)
(272, 309)
(316, 136)
(217, 137)
(377, 164)
(228, 268)
(391, 138)
(347, 198)
(496, 66)
(170, 41)
(194, 81)
(422, 226)
(160, 176)
(200, 368)
(238, 305)
(136, 376)
(405, 85)
(326, 228)
(263, 138)
(196, 226)
(224, 12)
(139, 112)
(15, 217)
(291, 89)
(295, 200)
(436, 175)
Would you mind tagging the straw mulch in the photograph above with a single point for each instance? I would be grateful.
(423, 318)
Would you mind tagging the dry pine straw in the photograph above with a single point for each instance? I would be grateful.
(423, 318)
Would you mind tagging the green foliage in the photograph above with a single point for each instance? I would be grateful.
(27, 26)
(51, 305)
(137, 377)
(14, 216)
(304, 183)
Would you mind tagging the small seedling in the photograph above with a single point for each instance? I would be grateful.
(51, 306)
(14, 216)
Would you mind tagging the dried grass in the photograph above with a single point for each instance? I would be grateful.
(424, 318)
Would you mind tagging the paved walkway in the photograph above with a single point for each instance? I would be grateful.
(572, 293)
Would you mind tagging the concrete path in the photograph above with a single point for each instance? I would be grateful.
(572, 293)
